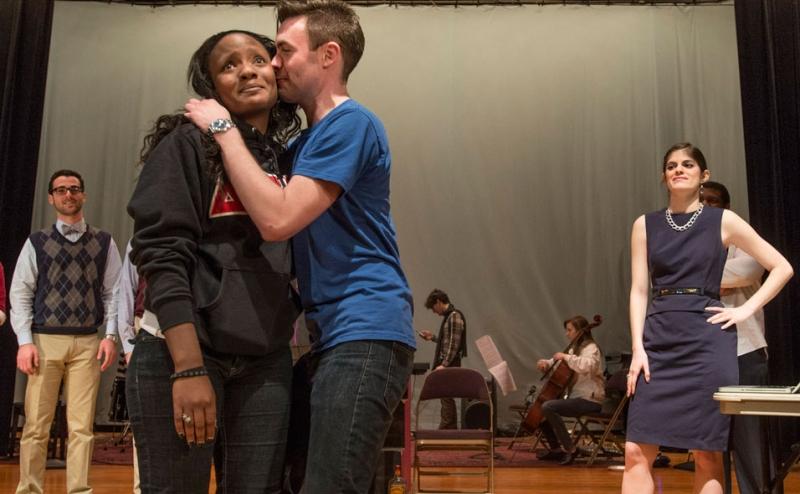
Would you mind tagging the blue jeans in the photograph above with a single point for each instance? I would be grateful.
(355, 389)
(554, 429)
(253, 396)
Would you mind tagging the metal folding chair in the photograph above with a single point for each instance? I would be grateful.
(604, 431)
(454, 382)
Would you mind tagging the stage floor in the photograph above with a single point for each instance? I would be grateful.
(574, 479)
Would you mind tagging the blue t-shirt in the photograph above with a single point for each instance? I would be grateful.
(347, 261)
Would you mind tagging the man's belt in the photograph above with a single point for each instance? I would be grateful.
(686, 290)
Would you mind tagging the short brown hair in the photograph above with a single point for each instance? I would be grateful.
(329, 20)
(436, 296)
(63, 173)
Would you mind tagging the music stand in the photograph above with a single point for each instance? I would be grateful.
(498, 368)
(495, 364)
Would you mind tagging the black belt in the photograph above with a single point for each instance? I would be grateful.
(687, 290)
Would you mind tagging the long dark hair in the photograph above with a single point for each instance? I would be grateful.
(284, 123)
(585, 328)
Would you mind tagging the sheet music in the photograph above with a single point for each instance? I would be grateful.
(496, 365)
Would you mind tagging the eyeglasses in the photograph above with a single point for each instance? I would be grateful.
(60, 191)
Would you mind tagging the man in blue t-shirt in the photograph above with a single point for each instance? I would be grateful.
(336, 208)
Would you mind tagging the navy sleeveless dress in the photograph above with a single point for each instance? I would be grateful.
(689, 358)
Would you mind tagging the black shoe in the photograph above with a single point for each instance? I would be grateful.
(661, 461)
(552, 455)
(567, 459)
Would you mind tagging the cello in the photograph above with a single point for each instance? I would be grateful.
(556, 379)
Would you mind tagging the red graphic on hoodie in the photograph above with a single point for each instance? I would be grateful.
(225, 201)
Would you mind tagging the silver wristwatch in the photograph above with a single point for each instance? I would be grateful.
(220, 125)
(112, 337)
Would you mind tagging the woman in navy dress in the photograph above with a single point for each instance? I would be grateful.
(684, 341)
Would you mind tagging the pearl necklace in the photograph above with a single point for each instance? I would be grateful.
(688, 224)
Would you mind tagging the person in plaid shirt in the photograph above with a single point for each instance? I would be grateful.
(451, 346)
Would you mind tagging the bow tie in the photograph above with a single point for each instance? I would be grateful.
(69, 229)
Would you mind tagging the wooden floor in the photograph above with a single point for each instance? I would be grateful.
(550, 480)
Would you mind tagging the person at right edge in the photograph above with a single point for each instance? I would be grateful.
(684, 342)
(740, 280)
(451, 346)
(336, 210)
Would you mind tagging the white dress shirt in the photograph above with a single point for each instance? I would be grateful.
(743, 275)
(125, 302)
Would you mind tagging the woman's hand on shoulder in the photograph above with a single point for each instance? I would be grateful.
(202, 112)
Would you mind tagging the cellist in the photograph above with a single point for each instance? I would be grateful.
(585, 392)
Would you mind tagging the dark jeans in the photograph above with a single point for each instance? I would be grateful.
(355, 389)
(554, 429)
(747, 441)
(253, 395)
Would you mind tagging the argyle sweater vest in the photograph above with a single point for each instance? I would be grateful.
(69, 287)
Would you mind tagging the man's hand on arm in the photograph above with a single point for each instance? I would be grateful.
(204, 111)
(28, 358)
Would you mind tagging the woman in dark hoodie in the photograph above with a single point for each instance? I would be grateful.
(210, 375)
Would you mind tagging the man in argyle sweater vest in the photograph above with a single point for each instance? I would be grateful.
(60, 295)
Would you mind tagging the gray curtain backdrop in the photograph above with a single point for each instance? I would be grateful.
(525, 141)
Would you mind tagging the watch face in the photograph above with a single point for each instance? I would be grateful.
(220, 125)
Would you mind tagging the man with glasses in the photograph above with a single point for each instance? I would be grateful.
(60, 295)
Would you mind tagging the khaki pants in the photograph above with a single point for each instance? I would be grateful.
(136, 488)
(73, 358)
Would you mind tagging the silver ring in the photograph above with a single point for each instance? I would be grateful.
(186, 419)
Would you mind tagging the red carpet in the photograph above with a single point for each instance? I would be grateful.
(109, 452)
(520, 456)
